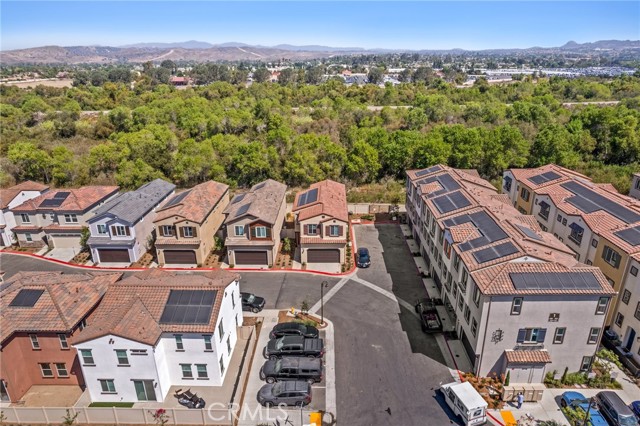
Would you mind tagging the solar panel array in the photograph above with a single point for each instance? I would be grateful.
(175, 200)
(555, 281)
(427, 171)
(56, 201)
(544, 177)
(631, 235)
(488, 228)
(26, 298)
(188, 307)
(243, 209)
(445, 180)
(238, 198)
(496, 252)
(311, 196)
(589, 201)
(529, 232)
(450, 202)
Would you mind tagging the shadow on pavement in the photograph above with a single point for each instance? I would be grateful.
(453, 419)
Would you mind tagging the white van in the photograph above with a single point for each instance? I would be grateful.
(465, 402)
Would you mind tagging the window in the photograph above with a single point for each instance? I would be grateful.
(145, 390)
(229, 345)
(233, 300)
(531, 335)
(619, 319)
(456, 261)
(87, 357)
(166, 230)
(460, 302)
(558, 336)
(602, 305)
(107, 385)
(120, 230)
(221, 329)
(593, 335)
(102, 230)
(35, 344)
(312, 229)
(476, 295)
(637, 313)
(46, 370)
(28, 237)
(138, 351)
(611, 256)
(334, 230)
(179, 344)
(544, 210)
(554, 317)
(576, 233)
(634, 270)
(559, 218)
(507, 183)
(63, 341)
(202, 371)
(626, 296)
(525, 194)
(207, 342)
(474, 327)
(221, 366)
(187, 231)
(516, 306)
(261, 232)
(70, 218)
(61, 368)
(564, 221)
(186, 371)
(121, 354)
(463, 282)
(594, 243)
(239, 230)
(25, 218)
(467, 313)
(83, 324)
(586, 363)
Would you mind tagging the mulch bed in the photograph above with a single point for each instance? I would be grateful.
(81, 258)
(215, 258)
(144, 262)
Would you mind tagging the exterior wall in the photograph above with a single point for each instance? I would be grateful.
(521, 204)
(19, 363)
(7, 218)
(577, 314)
(136, 243)
(142, 367)
(613, 274)
(322, 222)
(630, 310)
(511, 192)
(635, 187)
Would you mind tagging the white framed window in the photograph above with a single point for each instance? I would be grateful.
(221, 366)
(208, 346)
(467, 313)
(239, 230)
(87, 357)
(229, 345)
(28, 237)
(334, 230)
(107, 385)
(558, 336)
(634, 270)
(602, 305)
(312, 229)
(202, 371)
(476, 295)
(474, 327)
(121, 231)
(516, 306)
(166, 230)
(35, 344)
(221, 328)
(187, 231)
(531, 335)
(187, 372)
(586, 363)
(261, 231)
(123, 360)
(70, 218)
(594, 332)
(64, 344)
(619, 319)
(25, 218)
(179, 344)
(46, 370)
(626, 296)
(611, 256)
(61, 369)
(102, 229)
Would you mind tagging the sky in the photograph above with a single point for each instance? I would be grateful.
(369, 24)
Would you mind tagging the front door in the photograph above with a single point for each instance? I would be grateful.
(630, 339)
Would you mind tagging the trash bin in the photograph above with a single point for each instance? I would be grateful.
(508, 393)
(538, 389)
(529, 393)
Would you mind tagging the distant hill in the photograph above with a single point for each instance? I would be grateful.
(191, 44)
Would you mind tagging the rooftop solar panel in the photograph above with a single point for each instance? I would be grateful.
(26, 298)
(311, 196)
(496, 252)
(188, 307)
(238, 198)
(631, 235)
(427, 171)
(544, 177)
(529, 232)
(589, 201)
(489, 229)
(51, 202)
(62, 195)
(243, 209)
(175, 200)
(450, 202)
(555, 281)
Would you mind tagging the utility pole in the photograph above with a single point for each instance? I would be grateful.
(586, 416)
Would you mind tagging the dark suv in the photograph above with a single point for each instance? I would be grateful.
(364, 260)
(287, 368)
(293, 329)
(251, 302)
(296, 393)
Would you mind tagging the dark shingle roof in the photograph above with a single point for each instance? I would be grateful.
(263, 201)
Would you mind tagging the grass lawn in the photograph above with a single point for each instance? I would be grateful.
(111, 404)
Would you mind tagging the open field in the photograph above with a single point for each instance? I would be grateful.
(51, 82)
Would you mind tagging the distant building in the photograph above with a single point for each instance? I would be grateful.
(179, 81)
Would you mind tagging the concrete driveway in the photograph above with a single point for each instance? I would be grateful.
(64, 254)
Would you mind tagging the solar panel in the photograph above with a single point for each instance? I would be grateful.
(308, 197)
(188, 307)
(62, 195)
(238, 198)
(51, 202)
(496, 252)
(555, 281)
(544, 177)
(631, 235)
(529, 232)
(26, 298)
(427, 171)
(489, 229)
(589, 201)
(243, 209)
(175, 200)
(449, 202)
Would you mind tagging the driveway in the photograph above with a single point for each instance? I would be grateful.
(64, 254)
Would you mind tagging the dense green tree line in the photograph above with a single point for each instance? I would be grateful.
(302, 133)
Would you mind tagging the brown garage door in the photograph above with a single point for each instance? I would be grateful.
(251, 257)
(180, 256)
(119, 256)
(323, 256)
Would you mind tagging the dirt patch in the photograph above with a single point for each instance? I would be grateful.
(284, 259)
(215, 258)
(81, 258)
(144, 261)
(34, 83)
(24, 249)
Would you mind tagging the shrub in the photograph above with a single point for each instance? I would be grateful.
(286, 245)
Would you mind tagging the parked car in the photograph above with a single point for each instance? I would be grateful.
(364, 260)
(251, 302)
(296, 393)
(635, 407)
(294, 346)
(429, 319)
(290, 368)
(615, 410)
(576, 399)
(293, 329)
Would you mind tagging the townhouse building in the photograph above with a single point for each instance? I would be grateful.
(598, 224)
(13, 197)
(122, 228)
(322, 222)
(155, 330)
(56, 218)
(253, 224)
(187, 223)
(521, 303)
(40, 313)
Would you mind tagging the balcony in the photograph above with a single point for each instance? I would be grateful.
(528, 347)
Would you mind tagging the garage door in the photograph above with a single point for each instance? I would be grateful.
(251, 257)
(119, 256)
(180, 256)
(323, 256)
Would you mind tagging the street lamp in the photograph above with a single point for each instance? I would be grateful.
(322, 287)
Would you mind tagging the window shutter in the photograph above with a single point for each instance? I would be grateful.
(253, 231)
(305, 230)
(340, 230)
(327, 230)
(195, 231)
(127, 231)
(319, 230)
(521, 335)
(113, 230)
(182, 232)
(541, 334)
(268, 232)
(604, 252)
(617, 262)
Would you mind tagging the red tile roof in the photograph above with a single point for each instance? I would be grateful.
(528, 356)
(196, 205)
(7, 195)
(79, 199)
(331, 201)
(132, 307)
(67, 299)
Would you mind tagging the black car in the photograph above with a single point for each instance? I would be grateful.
(292, 368)
(364, 260)
(293, 329)
(251, 302)
(293, 346)
(296, 393)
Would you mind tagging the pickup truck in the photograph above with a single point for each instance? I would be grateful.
(294, 346)
(429, 319)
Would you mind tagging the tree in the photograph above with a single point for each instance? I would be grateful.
(32, 163)
(133, 174)
(261, 75)
(375, 75)
(314, 75)
(405, 75)
(170, 65)
(287, 76)
(84, 238)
